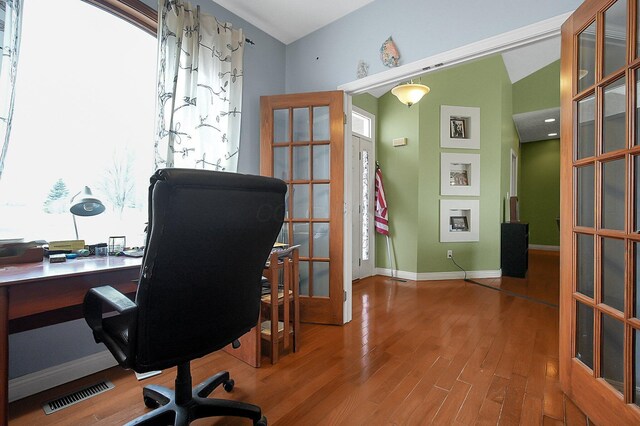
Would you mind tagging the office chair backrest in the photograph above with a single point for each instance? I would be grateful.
(209, 235)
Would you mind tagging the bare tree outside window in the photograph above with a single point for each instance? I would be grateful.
(118, 184)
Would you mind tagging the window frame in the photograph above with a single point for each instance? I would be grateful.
(126, 12)
(133, 11)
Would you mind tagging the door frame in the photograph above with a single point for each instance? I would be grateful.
(519, 37)
(513, 174)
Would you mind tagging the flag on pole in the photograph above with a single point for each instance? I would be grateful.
(381, 214)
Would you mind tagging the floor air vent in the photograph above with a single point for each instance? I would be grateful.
(77, 396)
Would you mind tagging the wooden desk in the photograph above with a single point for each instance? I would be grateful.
(33, 295)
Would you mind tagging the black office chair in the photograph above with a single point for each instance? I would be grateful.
(209, 235)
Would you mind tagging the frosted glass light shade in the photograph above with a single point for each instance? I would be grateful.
(410, 93)
(86, 204)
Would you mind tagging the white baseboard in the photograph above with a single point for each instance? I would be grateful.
(397, 274)
(435, 276)
(30, 384)
(543, 247)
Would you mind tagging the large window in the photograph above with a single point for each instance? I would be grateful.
(84, 115)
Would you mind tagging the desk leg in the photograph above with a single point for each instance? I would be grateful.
(4, 355)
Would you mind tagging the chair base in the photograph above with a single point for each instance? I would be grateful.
(168, 410)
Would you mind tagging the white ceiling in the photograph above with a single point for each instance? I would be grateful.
(527, 59)
(289, 20)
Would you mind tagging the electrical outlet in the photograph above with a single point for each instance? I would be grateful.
(449, 254)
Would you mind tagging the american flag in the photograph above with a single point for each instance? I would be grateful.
(381, 214)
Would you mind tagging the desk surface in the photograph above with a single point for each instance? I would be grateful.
(38, 292)
(27, 272)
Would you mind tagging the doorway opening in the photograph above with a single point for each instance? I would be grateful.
(362, 191)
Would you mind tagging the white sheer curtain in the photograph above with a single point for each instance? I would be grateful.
(199, 101)
(10, 20)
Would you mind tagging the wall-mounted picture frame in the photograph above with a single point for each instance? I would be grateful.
(459, 127)
(459, 220)
(458, 223)
(459, 174)
(456, 128)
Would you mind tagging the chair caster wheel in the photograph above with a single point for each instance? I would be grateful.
(261, 422)
(228, 385)
(150, 402)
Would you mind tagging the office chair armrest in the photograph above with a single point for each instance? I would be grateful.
(97, 296)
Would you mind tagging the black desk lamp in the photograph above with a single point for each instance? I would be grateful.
(85, 205)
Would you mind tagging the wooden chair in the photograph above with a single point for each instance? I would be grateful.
(280, 321)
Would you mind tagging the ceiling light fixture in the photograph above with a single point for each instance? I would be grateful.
(410, 93)
(553, 134)
(549, 120)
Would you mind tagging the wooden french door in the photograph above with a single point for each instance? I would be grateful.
(302, 143)
(600, 196)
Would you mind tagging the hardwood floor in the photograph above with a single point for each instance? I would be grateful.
(437, 352)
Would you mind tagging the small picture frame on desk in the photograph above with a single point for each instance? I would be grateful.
(117, 245)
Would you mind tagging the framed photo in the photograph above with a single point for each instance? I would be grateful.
(459, 174)
(456, 128)
(459, 127)
(458, 224)
(459, 177)
(459, 220)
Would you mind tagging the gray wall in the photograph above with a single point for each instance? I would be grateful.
(328, 57)
(264, 74)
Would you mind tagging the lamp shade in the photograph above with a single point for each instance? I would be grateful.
(410, 93)
(85, 204)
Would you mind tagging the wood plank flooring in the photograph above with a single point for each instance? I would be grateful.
(437, 352)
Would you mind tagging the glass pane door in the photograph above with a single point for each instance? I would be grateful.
(307, 174)
(599, 348)
(302, 144)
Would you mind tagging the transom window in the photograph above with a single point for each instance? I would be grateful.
(361, 124)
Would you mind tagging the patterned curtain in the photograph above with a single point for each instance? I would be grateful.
(10, 24)
(199, 89)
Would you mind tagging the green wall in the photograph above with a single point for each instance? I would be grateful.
(540, 90)
(400, 168)
(412, 172)
(366, 102)
(510, 142)
(539, 188)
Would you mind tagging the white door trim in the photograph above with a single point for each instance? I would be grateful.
(516, 38)
(347, 308)
(513, 174)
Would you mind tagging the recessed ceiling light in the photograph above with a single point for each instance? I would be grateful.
(549, 120)
(553, 134)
